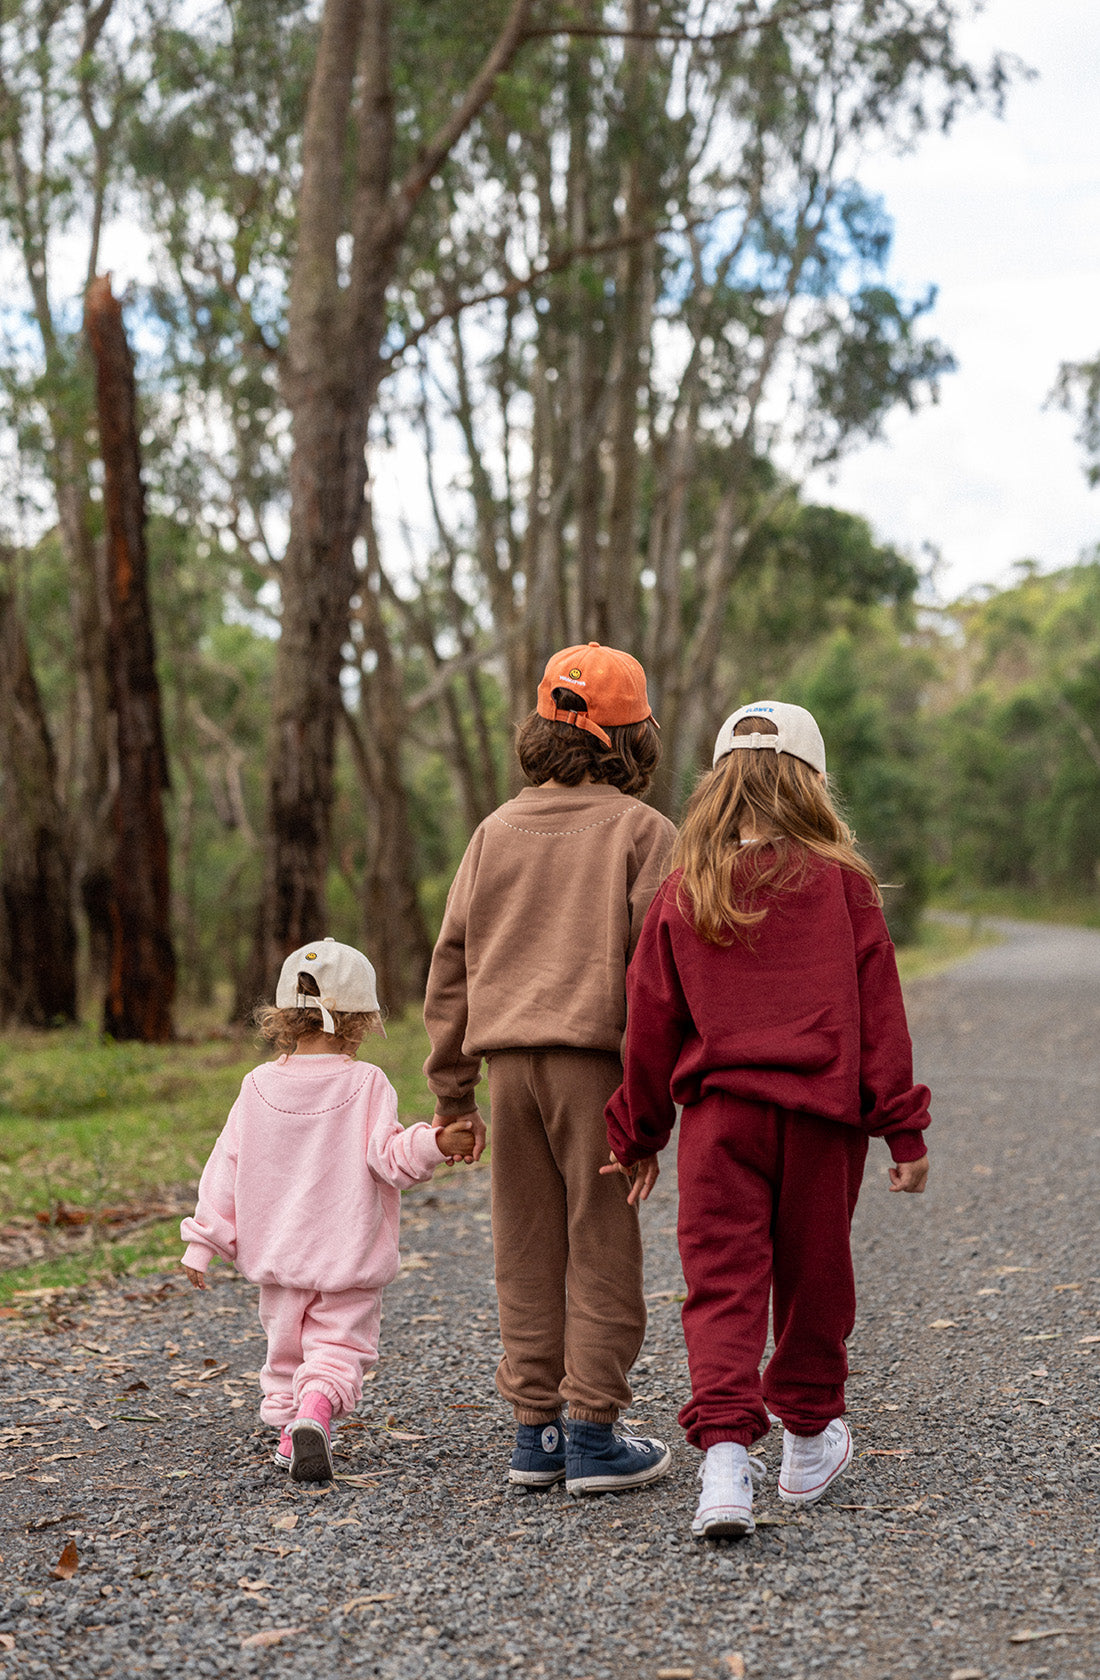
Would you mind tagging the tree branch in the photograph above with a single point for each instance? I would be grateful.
(553, 265)
(596, 32)
(439, 148)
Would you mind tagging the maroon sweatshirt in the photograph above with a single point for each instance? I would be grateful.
(805, 1012)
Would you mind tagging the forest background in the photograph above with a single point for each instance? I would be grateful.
(466, 336)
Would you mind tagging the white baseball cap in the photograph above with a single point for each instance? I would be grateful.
(798, 733)
(345, 980)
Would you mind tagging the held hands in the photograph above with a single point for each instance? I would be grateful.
(642, 1176)
(197, 1278)
(910, 1176)
(460, 1137)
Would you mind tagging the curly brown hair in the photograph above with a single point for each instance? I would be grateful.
(284, 1027)
(559, 752)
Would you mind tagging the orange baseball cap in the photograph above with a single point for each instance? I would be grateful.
(611, 684)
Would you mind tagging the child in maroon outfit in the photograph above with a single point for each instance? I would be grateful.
(764, 998)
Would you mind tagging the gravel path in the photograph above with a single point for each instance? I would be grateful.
(964, 1542)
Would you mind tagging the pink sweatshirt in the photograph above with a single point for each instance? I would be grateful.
(303, 1186)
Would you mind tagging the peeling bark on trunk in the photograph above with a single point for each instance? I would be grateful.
(37, 936)
(142, 981)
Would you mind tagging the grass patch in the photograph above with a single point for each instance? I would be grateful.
(1067, 909)
(95, 1261)
(940, 945)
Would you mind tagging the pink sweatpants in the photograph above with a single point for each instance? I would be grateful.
(766, 1204)
(317, 1340)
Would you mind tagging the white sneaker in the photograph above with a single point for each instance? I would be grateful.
(812, 1462)
(725, 1504)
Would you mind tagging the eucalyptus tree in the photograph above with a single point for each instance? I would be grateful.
(141, 985)
(659, 280)
(1078, 391)
(615, 255)
(1017, 727)
(70, 71)
(37, 933)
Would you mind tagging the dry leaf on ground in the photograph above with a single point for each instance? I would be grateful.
(288, 1520)
(735, 1662)
(269, 1636)
(365, 1598)
(68, 1563)
(1027, 1635)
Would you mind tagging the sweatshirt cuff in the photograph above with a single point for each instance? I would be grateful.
(907, 1145)
(197, 1256)
(449, 1108)
(425, 1150)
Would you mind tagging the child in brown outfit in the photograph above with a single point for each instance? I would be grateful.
(529, 972)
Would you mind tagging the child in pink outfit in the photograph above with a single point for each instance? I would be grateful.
(302, 1194)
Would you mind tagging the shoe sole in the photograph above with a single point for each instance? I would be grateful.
(728, 1526)
(312, 1460)
(280, 1459)
(536, 1478)
(618, 1484)
(812, 1496)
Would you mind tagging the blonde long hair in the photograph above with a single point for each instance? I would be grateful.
(782, 796)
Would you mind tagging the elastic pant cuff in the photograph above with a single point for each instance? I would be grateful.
(581, 1414)
(712, 1437)
(538, 1420)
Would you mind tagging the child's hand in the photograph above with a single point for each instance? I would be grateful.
(910, 1176)
(198, 1279)
(455, 1140)
(642, 1176)
(467, 1146)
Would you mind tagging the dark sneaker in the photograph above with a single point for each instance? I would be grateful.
(539, 1457)
(600, 1461)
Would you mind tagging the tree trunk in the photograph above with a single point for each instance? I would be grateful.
(142, 981)
(332, 371)
(394, 931)
(37, 936)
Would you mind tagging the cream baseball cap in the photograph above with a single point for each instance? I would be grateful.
(798, 733)
(345, 980)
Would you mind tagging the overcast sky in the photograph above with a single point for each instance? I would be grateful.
(1004, 217)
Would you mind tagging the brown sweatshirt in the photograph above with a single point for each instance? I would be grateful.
(541, 921)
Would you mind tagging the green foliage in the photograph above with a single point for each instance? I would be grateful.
(865, 692)
(1020, 747)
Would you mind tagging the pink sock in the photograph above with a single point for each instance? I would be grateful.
(317, 1407)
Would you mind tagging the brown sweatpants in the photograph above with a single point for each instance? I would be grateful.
(567, 1248)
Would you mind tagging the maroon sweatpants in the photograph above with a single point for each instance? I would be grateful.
(766, 1204)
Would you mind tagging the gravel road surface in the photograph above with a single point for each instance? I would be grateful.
(963, 1543)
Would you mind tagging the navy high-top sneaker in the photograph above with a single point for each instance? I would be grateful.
(599, 1460)
(538, 1460)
